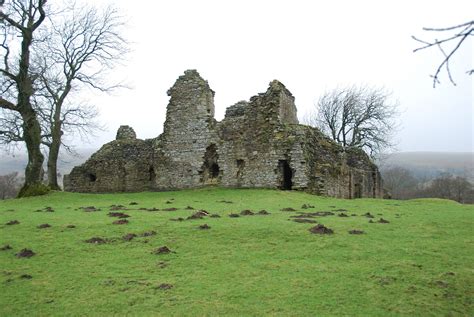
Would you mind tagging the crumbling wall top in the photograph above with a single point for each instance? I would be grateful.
(125, 132)
(191, 102)
(286, 102)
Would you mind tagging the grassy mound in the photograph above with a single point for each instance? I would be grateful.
(158, 254)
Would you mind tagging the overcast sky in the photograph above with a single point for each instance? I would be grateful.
(310, 46)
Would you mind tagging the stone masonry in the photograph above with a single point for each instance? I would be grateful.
(259, 144)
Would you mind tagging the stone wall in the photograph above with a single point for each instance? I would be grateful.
(123, 165)
(259, 144)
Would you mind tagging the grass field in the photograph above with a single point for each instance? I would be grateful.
(421, 263)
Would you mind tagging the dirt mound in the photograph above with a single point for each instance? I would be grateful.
(214, 216)
(189, 208)
(287, 209)
(164, 286)
(129, 236)
(118, 215)
(321, 229)
(120, 222)
(96, 240)
(304, 220)
(162, 250)
(234, 215)
(45, 209)
(44, 225)
(117, 207)
(313, 214)
(368, 215)
(263, 212)
(204, 227)
(198, 215)
(12, 222)
(25, 253)
(133, 203)
(26, 276)
(89, 209)
(170, 209)
(381, 220)
(148, 233)
(307, 206)
(247, 212)
(322, 213)
(5, 247)
(71, 226)
(355, 231)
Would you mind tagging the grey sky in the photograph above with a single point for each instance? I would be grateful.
(310, 46)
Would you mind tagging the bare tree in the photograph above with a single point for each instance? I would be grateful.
(362, 117)
(400, 182)
(80, 50)
(19, 21)
(450, 187)
(9, 185)
(451, 40)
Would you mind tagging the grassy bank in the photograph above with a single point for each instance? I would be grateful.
(420, 263)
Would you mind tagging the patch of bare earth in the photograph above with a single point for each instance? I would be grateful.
(321, 229)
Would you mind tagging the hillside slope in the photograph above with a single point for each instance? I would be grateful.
(418, 259)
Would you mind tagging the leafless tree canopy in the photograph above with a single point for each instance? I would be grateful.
(403, 184)
(80, 48)
(75, 48)
(451, 39)
(362, 117)
(9, 185)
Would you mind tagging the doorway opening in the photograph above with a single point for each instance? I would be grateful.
(357, 191)
(286, 175)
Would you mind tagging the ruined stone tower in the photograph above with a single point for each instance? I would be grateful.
(259, 144)
(188, 136)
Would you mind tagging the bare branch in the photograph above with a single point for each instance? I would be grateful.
(462, 32)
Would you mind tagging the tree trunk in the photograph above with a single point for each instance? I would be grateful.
(31, 126)
(32, 136)
(53, 157)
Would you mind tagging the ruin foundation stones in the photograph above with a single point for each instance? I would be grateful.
(259, 144)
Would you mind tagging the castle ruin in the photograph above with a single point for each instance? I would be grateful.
(259, 144)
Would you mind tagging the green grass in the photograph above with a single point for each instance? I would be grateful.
(421, 263)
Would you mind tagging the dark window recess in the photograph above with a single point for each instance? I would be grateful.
(91, 177)
(286, 175)
(240, 167)
(210, 169)
(151, 174)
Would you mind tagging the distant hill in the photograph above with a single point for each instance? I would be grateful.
(428, 165)
(17, 162)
